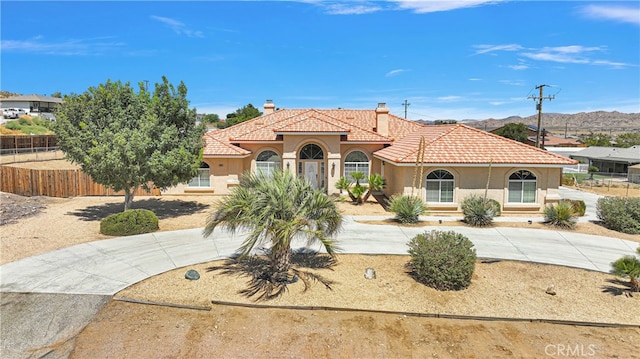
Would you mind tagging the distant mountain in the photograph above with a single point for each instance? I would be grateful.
(583, 122)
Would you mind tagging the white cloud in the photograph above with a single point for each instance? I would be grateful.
(518, 67)
(177, 26)
(616, 13)
(395, 72)
(565, 54)
(428, 6)
(351, 9)
(70, 47)
(485, 49)
(572, 54)
(475, 79)
(449, 98)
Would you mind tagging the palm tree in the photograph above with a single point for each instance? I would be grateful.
(275, 209)
(628, 266)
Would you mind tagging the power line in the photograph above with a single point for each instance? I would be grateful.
(406, 105)
(539, 108)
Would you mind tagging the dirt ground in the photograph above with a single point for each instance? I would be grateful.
(501, 289)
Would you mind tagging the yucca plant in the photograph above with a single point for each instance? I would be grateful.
(628, 267)
(407, 208)
(560, 215)
(479, 211)
(343, 184)
(376, 183)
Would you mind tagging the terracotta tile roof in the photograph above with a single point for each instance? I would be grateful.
(460, 144)
(358, 124)
(215, 146)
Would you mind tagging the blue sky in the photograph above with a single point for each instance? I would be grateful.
(448, 59)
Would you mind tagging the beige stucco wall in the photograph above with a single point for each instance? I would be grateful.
(224, 174)
(473, 180)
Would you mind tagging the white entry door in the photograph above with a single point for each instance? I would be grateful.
(311, 172)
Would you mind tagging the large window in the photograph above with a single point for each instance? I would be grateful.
(356, 161)
(267, 162)
(522, 187)
(202, 179)
(440, 186)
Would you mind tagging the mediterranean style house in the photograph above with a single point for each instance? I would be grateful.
(443, 164)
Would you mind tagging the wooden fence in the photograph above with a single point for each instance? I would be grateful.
(18, 143)
(54, 183)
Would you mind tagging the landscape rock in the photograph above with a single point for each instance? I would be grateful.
(370, 273)
(192, 274)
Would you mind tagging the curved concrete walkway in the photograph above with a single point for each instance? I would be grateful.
(107, 266)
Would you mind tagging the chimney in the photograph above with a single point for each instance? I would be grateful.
(382, 119)
(269, 107)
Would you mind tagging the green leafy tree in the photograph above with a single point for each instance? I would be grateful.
(274, 210)
(515, 131)
(628, 139)
(57, 94)
(597, 139)
(211, 118)
(240, 115)
(125, 139)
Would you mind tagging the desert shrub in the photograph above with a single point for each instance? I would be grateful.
(560, 215)
(130, 222)
(578, 206)
(620, 214)
(479, 211)
(407, 208)
(568, 180)
(495, 206)
(442, 260)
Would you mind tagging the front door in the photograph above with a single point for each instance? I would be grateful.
(311, 172)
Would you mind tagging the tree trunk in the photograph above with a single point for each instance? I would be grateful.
(281, 262)
(128, 198)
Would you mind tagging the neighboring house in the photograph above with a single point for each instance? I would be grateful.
(324, 145)
(634, 174)
(609, 159)
(34, 105)
(547, 140)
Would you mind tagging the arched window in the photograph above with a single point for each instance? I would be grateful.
(311, 152)
(202, 179)
(522, 187)
(356, 161)
(267, 162)
(440, 186)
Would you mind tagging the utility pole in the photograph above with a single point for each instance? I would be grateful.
(405, 104)
(539, 108)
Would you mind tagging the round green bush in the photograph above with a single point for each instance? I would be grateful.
(407, 208)
(130, 222)
(578, 206)
(442, 260)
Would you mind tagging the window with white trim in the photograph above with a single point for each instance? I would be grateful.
(439, 186)
(202, 179)
(356, 161)
(522, 187)
(267, 162)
